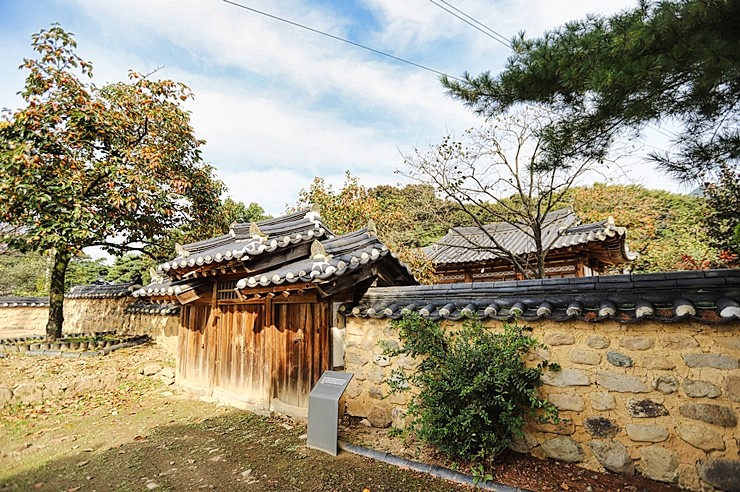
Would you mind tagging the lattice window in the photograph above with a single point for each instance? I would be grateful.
(226, 290)
(560, 269)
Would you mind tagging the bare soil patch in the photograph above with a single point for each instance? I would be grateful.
(130, 432)
(510, 468)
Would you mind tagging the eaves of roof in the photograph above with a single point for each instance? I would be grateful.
(166, 287)
(711, 296)
(343, 254)
(18, 301)
(141, 307)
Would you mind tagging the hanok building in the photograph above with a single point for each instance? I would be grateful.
(259, 304)
(468, 254)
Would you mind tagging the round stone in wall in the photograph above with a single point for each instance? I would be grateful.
(659, 464)
(602, 401)
(646, 433)
(563, 449)
(709, 413)
(553, 339)
(617, 359)
(666, 384)
(637, 343)
(567, 401)
(700, 389)
(613, 455)
(701, 437)
(732, 387)
(597, 342)
(646, 408)
(720, 472)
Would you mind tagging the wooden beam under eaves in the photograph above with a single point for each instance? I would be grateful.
(247, 291)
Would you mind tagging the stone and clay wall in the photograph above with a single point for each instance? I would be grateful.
(26, 319)
(90, 315)
(654, 398)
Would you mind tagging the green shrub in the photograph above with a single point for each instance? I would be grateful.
(475, 390)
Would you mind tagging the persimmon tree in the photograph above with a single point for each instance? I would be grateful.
(114, 166)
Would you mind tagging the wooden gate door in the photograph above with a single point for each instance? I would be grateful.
(195, 357)
(241, 369)
(301, 353)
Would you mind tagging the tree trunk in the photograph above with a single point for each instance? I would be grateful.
(541, 265)
(56, 295)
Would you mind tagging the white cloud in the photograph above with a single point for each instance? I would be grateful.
(279, 105)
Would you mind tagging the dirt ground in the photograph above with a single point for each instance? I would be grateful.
(111, 428)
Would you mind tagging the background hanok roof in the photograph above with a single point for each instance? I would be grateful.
(561, 229)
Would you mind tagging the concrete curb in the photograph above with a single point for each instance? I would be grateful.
(435, 471)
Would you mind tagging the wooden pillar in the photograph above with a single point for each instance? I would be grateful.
(580, 264)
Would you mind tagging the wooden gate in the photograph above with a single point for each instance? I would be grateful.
(232, 354)
(300, 353)
(195, 357)
(241, 371)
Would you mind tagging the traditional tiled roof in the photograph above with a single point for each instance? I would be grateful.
(561, 230)
(708, 296)
(334, 258)
(16, 301)
(168, 287)
(168, 309)
(246, 240)
(103, 290)
(275, 252)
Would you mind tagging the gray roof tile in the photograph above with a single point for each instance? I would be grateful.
(626, 298)
(561, 230)
(102, 290)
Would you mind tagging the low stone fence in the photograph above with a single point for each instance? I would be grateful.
(659, 395)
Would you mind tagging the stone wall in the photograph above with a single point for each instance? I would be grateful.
(89, 315)
(657, 398)
(31, 319)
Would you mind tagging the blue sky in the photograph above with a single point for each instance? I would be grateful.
(278, 105)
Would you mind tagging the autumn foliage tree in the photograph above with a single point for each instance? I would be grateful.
(723, 217)
(665, 228)
(81, 166)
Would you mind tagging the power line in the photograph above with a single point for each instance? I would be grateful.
(488, 31)
(503, 40)
(665, 133)
(337, 38)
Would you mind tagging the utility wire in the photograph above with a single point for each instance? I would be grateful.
(317, 31)
(665, 133)
(462, 16)
(488, 31)
(472, 21)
